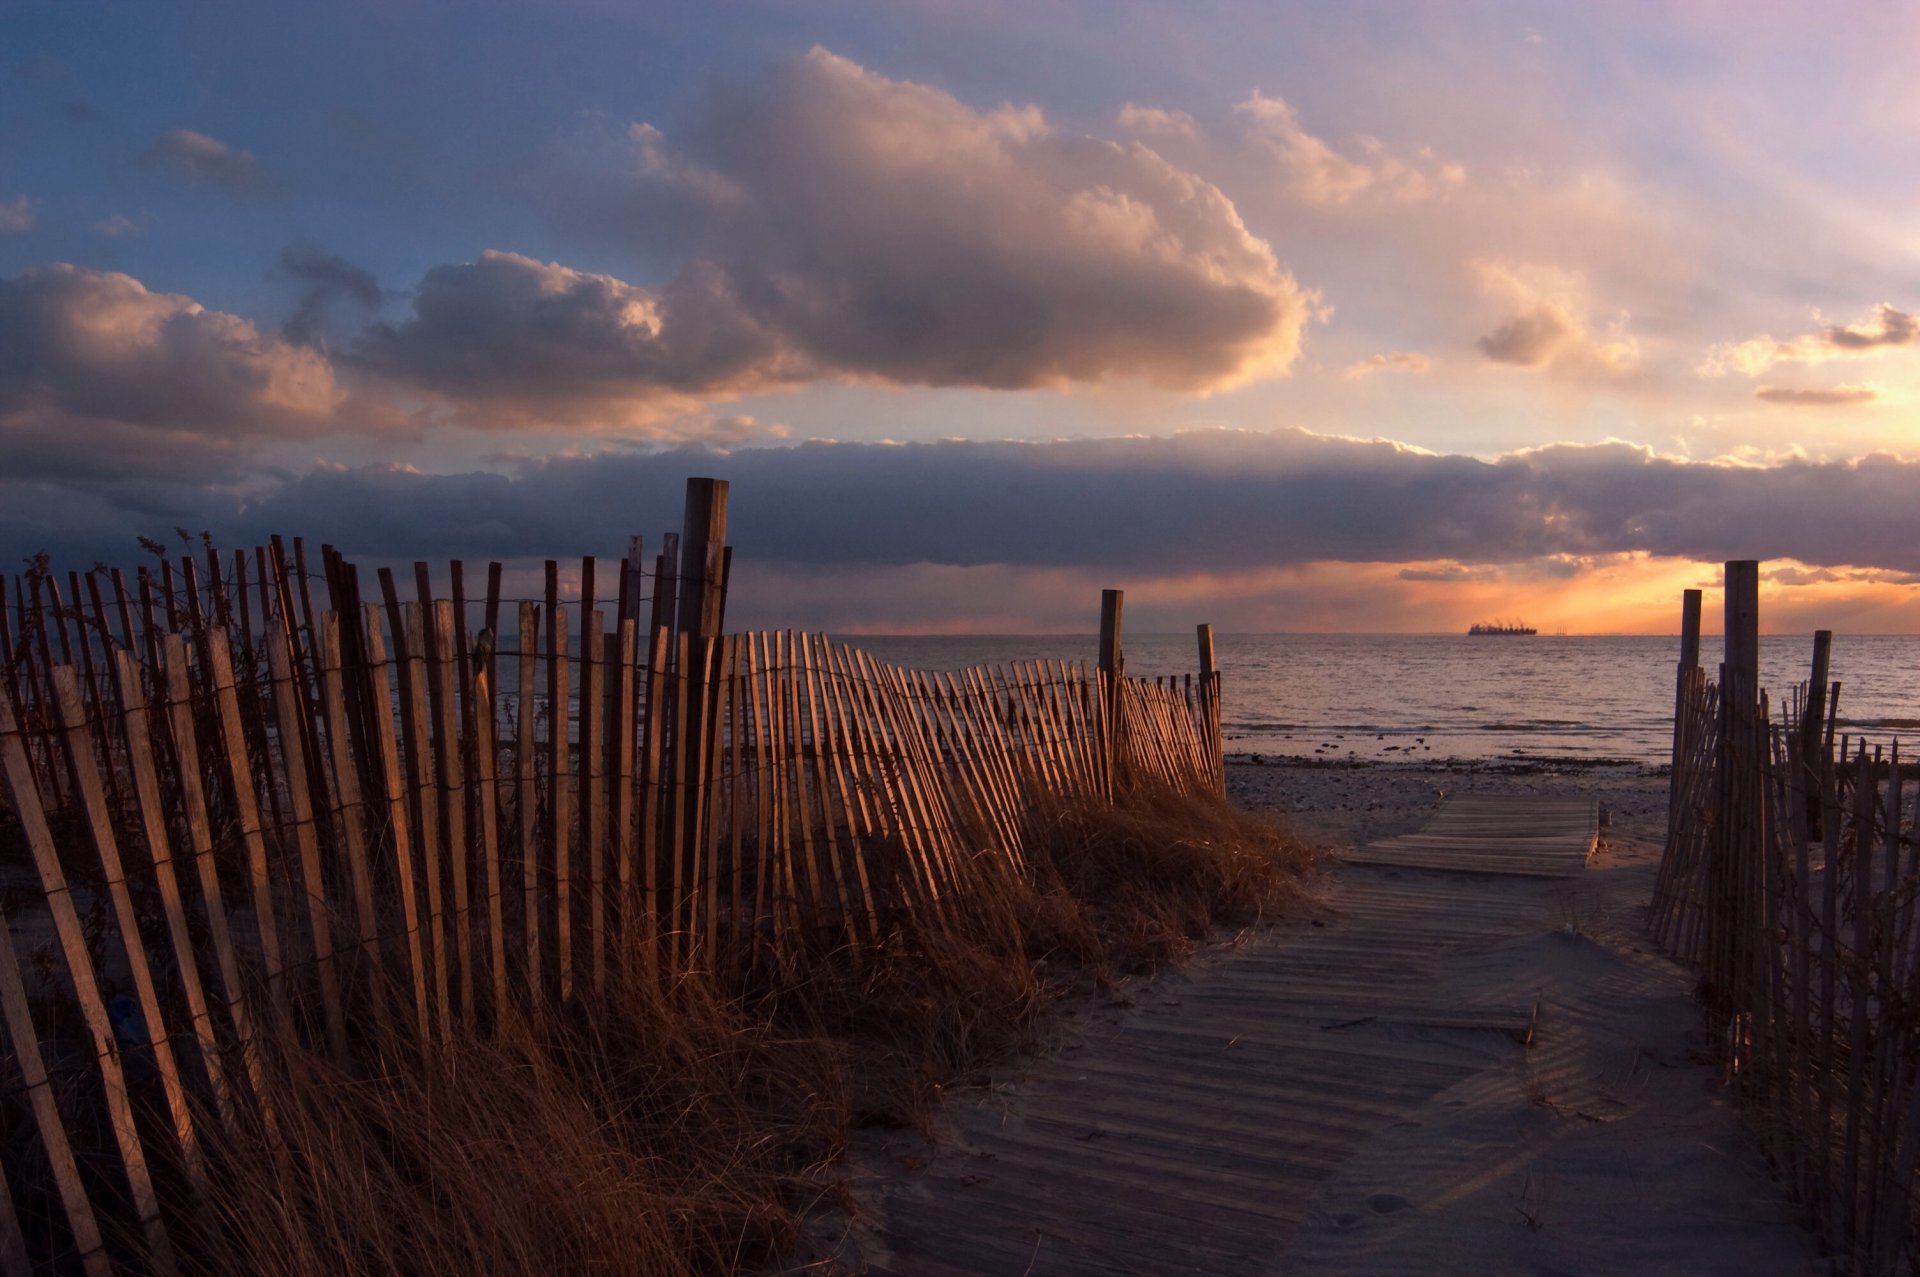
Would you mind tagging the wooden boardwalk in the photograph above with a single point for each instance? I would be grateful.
(1188, 1132)
(1538, 837)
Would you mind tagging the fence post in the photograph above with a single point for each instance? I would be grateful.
(1689, 661)
(1210, 706)
(1812, 722)
(1112, 669)
(703, 541)
(1737, 840)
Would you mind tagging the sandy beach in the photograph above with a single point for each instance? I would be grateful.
(1611, 1147)
(1347, 803)
(1605, 1145)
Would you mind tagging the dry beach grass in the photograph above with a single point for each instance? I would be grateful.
(689, 1131)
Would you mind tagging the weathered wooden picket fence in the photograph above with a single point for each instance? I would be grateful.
(232, 818)
(1789, 878)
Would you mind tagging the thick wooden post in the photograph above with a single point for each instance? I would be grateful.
(1112, 670)
(1812, 723)
(1210, 707)
(1737, 842)
(1689, 661)
(703, 542)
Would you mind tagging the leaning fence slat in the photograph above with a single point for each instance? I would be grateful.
(86, 988)
(487, 810)
(829, 732)
(153, 824)
(398, 827)
(306, 841)
(591, 765)
(93, 801)
(16, 1013)
(411, 638)
(762, 786)
(180, 707)
(526, 801)
(621, 657)
(239, 774)
(718, 707)
(349, 816)
(652, 742)
(559, 767)
(451, 780)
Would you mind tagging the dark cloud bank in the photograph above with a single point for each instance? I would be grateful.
(1208, 501)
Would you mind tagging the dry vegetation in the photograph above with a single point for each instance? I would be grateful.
(685, 1132)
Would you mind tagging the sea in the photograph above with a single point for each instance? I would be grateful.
(1421, 698)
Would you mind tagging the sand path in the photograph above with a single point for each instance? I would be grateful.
(1356, 1093)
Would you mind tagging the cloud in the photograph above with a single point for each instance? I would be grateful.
(1286, 529)
(119, 226)
(1392, 361)
(510, 341)
(98, 375)
(1548, 325)
(1214, 501)
(1153, 122)
(16, 216)
(1529, 340)
(206, 161)
(1887, 327)
(1448, 573)
(1265, 144)
(884, 229)
(1816, 398)
(328, 279)
(1319, 174)
(1883, 328)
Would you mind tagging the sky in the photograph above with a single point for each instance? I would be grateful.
(1281, 316)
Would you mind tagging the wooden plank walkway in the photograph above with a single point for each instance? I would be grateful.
(1188, 1131)
(1485, 834)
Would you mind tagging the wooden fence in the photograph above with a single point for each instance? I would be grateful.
(235, 818)
(1789, 878)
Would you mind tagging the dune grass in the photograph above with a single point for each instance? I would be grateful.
(688, 1130)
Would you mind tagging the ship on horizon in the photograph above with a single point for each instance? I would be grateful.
(1501, 627)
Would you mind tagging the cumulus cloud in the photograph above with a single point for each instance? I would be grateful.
(1548, 324)
(882, 228)
(207, 161)
(837, 223)
(16, 215)
(99, 375)
(1391, 361)
(326, 279)
(1832, 396)
(512, 342)
(1883, 328)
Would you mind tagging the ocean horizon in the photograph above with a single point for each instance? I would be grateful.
(1401, 698)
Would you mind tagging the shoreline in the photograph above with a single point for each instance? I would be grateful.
(1344, 802)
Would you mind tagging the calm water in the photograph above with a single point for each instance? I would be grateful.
(1449, 696)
